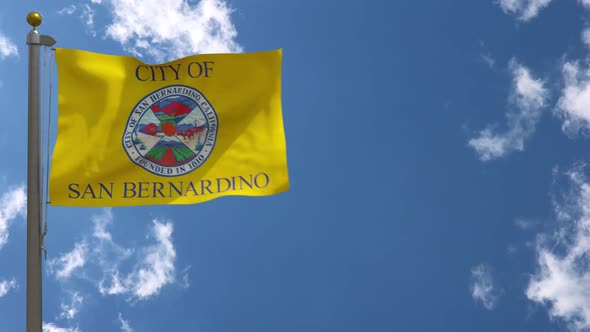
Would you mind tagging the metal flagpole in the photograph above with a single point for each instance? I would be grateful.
(34, 302)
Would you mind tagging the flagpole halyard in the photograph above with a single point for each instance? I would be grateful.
(34, 189)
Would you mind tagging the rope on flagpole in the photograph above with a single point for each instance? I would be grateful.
(43, 110)
(47, 137)
(43, 129)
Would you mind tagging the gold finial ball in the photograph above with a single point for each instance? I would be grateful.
(34, 19)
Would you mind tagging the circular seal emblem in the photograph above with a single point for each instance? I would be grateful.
(171, 131)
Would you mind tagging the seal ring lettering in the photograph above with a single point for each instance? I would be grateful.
(171, 131)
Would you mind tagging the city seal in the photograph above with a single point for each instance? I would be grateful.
(171, 131)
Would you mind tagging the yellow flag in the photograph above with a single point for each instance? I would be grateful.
(182, 132)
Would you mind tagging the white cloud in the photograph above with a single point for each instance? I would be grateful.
(101, 222)
(65, 265)
(562, 281)
(482, 286)
(6, 286)
(525, 224)
(68, 10)
(87, 17)
(7, 47)
(489, 145)
(511, 249)
(586, 37)
(524, 9)
(115, 287)
(574, 103)
(51, 327)
(527, 100)
(107, 252)
(153, 272)
(488, 60)
(178, 29)
(12, 204)
(125, 326)
(157, 269)
(185, 283)
(69, 311)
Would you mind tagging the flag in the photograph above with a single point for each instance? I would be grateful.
(182, 132)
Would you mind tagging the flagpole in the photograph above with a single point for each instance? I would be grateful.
(34, 188)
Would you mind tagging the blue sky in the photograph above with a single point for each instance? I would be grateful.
(437, 156)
